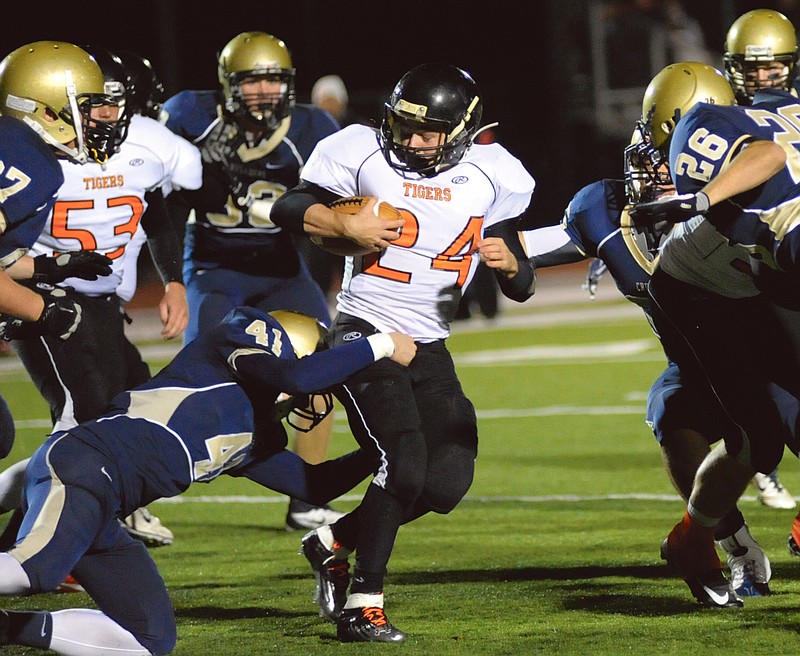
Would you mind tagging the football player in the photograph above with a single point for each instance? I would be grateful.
(255, 140)
(761, 53)
(734, 166)
(459, 202)
(100, 208)
(683, 414)
(193, 421)
(48, 90)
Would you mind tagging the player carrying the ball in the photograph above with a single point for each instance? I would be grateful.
(460, 203)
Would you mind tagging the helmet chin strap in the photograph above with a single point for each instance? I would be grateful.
(72, 153)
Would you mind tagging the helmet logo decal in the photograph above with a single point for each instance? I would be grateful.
(418, 111)
(349, 337)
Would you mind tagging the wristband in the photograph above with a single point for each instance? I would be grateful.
(382, 345)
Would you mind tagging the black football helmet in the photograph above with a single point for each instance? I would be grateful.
(145, 92)
(108, 136)
(435, 97)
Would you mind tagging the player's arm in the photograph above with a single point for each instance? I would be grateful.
(320, 370)
(304, 210)
(166, 251)
(752, 166)
(550, 246)
(502, 251)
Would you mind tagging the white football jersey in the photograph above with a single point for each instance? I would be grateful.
(99, 206)
(696, 253)
(414, 286)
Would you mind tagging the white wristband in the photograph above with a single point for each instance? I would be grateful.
(382, 345)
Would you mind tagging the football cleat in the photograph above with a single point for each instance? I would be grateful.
(749, 565)
(303, 517)
(794, 550)
(699, 566)
(143, 525)
(771, 492)
(69, 584)
(332, 576)
(368, 624)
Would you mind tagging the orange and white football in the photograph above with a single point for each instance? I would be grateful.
(351, 205)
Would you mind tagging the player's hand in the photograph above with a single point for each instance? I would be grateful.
(88, 265)
(173, 310)
(597, 268)
(404, 348)
(494, 252)
(60, 318)
(369, 230)
(670, 209)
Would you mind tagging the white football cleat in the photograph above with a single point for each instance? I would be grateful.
(771, 492)
(143, 525)
(750, 568)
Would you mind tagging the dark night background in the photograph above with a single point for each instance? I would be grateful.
(532, 60)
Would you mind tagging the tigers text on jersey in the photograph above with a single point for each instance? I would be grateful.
(226, 229)
(414, 286)
(99, 206)
(30, 177)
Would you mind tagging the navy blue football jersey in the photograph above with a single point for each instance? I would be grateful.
(594, 222)
(765, 219)
(30, 177)
(210, 410)
(242, 180)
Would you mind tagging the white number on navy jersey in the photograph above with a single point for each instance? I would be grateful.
(18, 181)
(710, 148)
(786, 124)
(259, 330)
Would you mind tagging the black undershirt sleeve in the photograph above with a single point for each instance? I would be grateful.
(519, 288)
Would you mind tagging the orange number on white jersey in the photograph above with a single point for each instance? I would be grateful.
(61, 230)
(456, 257)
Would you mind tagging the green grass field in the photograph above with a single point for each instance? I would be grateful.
(554, 551)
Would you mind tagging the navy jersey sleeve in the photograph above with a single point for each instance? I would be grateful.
(189, 113)
(592, 216)
(259, 352)
(29, 181)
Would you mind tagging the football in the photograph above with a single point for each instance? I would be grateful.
(351, 205)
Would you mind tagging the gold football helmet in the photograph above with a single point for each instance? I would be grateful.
(756, 40)
(257, 55)
(673, 92)
(307, 410)
(52, 86)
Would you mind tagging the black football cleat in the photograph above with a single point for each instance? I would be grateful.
(331, 574)
(366, 625)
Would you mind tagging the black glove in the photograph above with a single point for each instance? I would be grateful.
(670, 209)
(88, 265)
(60, 318)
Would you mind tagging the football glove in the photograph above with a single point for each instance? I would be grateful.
(670, 209)
(596, 270)
(60, 318)
(88, 265)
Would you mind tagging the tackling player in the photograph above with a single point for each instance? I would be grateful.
(193, 421)
(735, 166)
